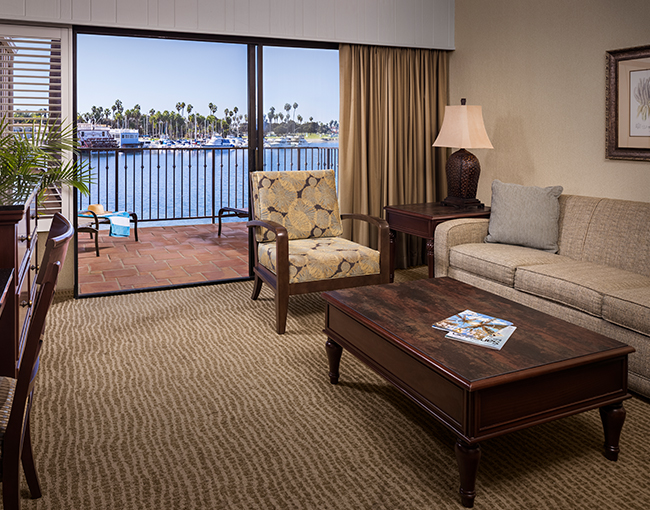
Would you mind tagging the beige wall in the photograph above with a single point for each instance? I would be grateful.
(538, 70)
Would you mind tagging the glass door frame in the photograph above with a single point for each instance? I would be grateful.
(255, 103)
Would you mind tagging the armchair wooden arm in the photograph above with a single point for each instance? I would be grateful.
(383, 237)
(281, 257)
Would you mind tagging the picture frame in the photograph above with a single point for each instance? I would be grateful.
(627, 93)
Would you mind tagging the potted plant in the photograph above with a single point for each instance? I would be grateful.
(35, 158)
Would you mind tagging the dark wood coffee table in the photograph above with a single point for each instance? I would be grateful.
(548, 369)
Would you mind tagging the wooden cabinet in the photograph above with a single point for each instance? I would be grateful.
(18, 240)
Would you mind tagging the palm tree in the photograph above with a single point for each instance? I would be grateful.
(119, 108)
(295, 106)
(287, 108)
(213, 110)
(151, 126)
(189, 110)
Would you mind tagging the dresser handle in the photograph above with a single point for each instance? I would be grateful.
(33, 267)
(22, 239)
(26, 303)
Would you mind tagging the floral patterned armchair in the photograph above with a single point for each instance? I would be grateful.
(298, 240)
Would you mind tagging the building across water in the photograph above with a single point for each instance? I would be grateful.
(98, 136)
(95, 136)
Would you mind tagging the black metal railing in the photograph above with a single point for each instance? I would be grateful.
(166, 184)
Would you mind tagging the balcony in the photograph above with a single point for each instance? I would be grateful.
(177, 194)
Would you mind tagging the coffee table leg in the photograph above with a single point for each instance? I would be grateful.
(613, 418)
(468, 458)
(334, 352)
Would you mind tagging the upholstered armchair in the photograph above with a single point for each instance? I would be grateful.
(298, 240)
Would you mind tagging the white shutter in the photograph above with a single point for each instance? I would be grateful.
(31, 85)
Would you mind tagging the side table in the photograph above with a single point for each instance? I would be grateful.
(421, 220)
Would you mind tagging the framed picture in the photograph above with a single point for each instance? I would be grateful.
(628, 104)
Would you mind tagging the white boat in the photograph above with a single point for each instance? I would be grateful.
(218, 141)
(237, 141)
(126, 138)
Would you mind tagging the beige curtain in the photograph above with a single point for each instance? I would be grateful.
(392, 105)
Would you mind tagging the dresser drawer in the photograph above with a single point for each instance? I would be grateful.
(26, 237)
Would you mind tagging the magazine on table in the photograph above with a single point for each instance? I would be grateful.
(477, 328)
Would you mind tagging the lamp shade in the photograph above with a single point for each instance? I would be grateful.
(463, 128)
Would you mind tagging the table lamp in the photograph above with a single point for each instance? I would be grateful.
(463, 128)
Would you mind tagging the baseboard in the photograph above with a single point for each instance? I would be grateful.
(63, 295)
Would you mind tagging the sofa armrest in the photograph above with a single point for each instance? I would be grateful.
(452, 233)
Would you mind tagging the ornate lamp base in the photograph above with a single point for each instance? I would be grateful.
(463, 170)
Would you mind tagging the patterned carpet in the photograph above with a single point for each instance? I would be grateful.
(187, 399)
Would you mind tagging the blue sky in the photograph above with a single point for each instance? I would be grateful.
(158, 73)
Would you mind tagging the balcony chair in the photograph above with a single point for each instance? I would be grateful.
(96, 215)
(298, 243)
(16, 394)
(230, 212)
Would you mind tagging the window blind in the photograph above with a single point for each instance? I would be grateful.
(30, 90)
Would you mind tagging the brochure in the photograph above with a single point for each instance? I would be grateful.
(477, 328)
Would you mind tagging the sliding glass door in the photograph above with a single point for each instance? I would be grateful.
(171, 127)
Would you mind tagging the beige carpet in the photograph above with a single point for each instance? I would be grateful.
(187, 399)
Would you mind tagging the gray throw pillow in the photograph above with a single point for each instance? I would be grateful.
(525, 216)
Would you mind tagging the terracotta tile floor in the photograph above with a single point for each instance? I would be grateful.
(168, 255)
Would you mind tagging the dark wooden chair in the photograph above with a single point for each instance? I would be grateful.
(16, 394)
(298, 240)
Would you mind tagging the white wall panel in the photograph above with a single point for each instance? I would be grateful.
(166, 14)
(442, 31)
(66, 10)
(309, 19)
(186, 15)
(48, 9)
(152, 13)
(260, 21)
(13, 8)
(408, 25)
(81, 11)
(386, 22)
(347, 17)
(242, 17)
(132, 11)
(103, 13)
(282, 18)
(326, 22)
(413, 23)
(212, 16)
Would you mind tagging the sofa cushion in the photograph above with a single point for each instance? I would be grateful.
(575, 215)
(580, 285)
(629, 308)
(524, 215)
(322, 258)
(498, 262)
(619, 236)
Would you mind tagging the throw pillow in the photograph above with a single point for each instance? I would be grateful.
(525, 216)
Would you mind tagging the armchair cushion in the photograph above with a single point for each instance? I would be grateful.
(322, 258)
(304, 202)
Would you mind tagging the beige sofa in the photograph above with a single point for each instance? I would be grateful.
(598, 279)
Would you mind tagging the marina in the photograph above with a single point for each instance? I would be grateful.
(188, 183)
